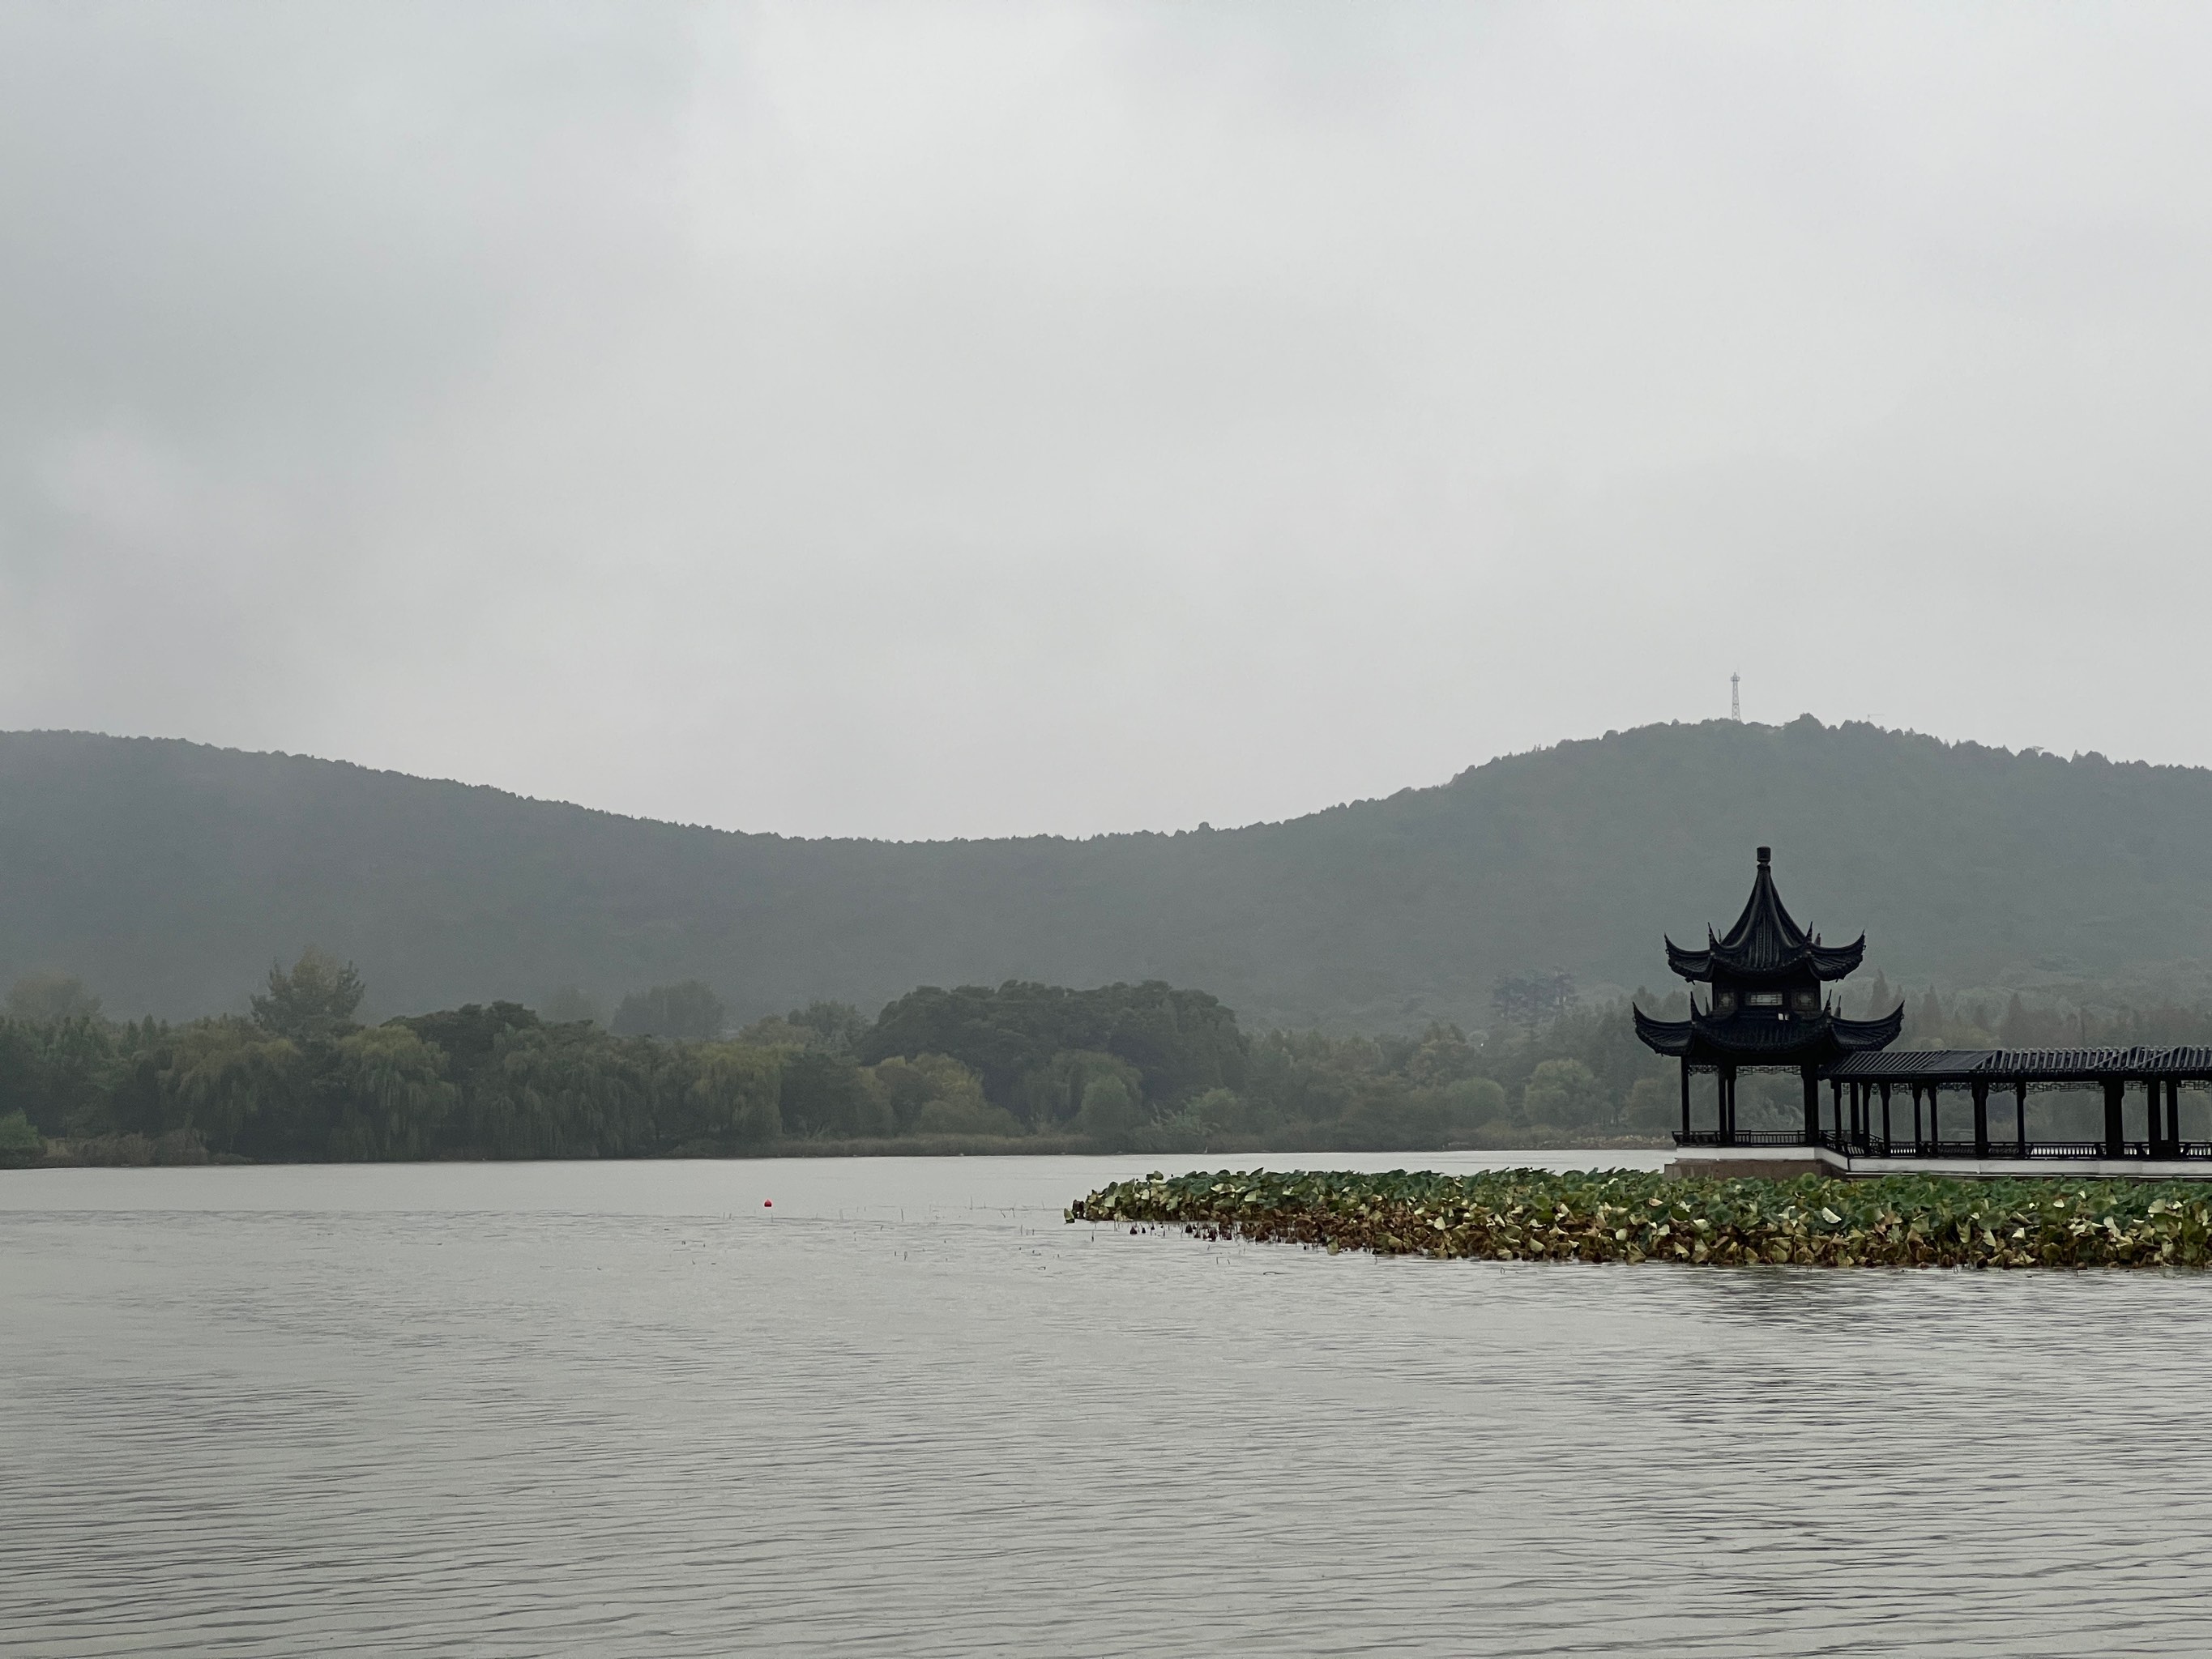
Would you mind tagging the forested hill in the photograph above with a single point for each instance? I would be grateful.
(169, 875)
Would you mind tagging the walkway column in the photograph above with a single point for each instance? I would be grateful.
(2112, 1087)
(1728, 1105)
(1812, 1105)
(2020, 1114)
(1885, 1113)
(2174, 1114)
(1981, 1119)
(1916, 1117)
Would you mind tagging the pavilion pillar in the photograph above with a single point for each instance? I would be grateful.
(1835, 1104)
(1936, 1116)
(1981, 1119)
(2174, 1114)
(1916, 1117)
(1885, 1115)
(1728, 1105)
(1686, 1098)
(2020, 1114)
(2112, 1087)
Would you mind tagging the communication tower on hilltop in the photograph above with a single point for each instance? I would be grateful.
(1735, 702)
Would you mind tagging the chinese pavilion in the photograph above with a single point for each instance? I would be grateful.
(1768, 1010)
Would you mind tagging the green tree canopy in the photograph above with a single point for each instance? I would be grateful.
(1182, 1042)
(1109, 1113)
(236, 1086)
(1565, 1092)
(911, 1087)
(823, 1096)
(736, 1093)
(317, 999)
(837, 1026)
(391, 1092)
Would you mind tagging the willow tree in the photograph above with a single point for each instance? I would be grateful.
(391, 1094)
(233, 1083)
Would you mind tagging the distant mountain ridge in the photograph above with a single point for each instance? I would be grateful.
(169, 874)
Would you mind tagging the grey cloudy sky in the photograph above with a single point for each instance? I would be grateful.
(926, 419)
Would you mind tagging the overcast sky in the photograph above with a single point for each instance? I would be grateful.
(930, 420)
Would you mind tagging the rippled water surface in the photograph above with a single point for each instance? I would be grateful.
(622, 1408)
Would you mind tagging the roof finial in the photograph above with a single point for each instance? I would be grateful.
(1766, 856)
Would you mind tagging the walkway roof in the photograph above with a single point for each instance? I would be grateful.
(1968, 1066)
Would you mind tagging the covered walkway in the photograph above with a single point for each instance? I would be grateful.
(1871, 1093)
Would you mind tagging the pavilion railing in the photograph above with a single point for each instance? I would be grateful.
(2005, 1147)
(1996, 1147)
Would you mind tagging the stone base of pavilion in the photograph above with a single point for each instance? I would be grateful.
(1788, 1163)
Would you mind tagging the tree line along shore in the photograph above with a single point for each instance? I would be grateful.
(1016, 1067)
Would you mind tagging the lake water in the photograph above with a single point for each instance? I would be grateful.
(622, 1409)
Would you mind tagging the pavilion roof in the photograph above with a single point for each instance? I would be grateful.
(1766, 941)
(1754, 1040)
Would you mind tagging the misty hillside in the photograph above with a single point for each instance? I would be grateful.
(169, 874)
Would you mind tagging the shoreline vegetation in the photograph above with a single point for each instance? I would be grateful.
(1019, 1068)
(1634, 1216)
(1150, 1069)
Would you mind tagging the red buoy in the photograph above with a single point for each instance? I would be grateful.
(768, 1204)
